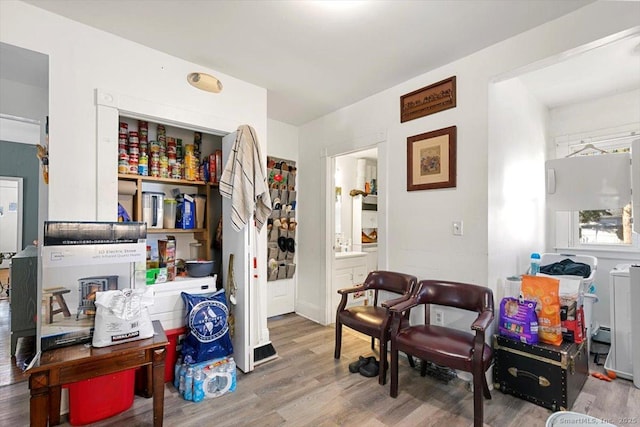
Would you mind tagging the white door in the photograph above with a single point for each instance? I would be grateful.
(238, 244)
(280, 293)
(280, 297)
(10, 217)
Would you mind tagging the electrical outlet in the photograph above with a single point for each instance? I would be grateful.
(439, 317)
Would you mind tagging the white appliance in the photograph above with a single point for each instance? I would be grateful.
(635, 179)
(168, 306)
(621, 356)
(153, 209)
(634, 283)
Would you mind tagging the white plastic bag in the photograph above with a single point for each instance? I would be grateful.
(122, 316)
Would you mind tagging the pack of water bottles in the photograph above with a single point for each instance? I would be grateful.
(212, 378)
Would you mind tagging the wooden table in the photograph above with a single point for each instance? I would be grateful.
(80, 362)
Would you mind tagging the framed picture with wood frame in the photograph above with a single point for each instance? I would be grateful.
(431, 160)
(428, 100)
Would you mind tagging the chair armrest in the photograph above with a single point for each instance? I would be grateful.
(483, 320)
(351, 290)
(404, 305)
(390, 303)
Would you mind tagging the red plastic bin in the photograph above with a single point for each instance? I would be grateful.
(175, 337)
(100, 397)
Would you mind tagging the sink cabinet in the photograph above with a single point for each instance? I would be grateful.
(349, 269)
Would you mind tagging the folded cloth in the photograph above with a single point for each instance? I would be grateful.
(567, 267)
(244, 181)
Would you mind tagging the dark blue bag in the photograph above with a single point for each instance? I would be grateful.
(207, 327)
(567, 267)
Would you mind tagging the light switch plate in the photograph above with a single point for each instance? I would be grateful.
(456, 228)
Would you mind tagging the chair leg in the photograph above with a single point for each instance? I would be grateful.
(423, 368)
(485, 387)
(394, 372)
(383, 362)
(412, 363)
(478, 404)
(338, 347)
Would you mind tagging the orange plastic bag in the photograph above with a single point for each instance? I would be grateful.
(546, 292)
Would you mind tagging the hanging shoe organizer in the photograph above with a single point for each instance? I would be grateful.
(282, 224)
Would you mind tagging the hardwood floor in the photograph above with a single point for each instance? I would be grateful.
(11, 367)
(305, 386)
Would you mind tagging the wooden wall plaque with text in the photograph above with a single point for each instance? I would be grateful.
(428, 100)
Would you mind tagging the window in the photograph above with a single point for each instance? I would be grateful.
(606, 226)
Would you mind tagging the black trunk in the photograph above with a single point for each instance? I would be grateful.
(547, 375)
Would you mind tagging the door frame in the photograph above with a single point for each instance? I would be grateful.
(376, 140)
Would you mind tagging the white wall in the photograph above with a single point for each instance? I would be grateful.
(282, 140)
(26, 101)
(591, 118)
(418, 237)
(518, 137)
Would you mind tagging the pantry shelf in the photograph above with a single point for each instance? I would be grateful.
(133, 186)
(132, 177)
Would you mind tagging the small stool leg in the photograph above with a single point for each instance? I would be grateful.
(63, 305)
(48, 310)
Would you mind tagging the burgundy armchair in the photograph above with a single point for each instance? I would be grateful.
(374, 320)
(442, 345)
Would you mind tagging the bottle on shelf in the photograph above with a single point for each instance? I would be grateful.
(535, 264)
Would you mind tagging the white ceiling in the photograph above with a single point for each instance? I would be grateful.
(24, 66)
(609, 68)
(315, 57)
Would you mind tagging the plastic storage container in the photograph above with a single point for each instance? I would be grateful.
(200, 202)
(194, 251)
(100, 397)
(175, 337)
(153, 208)
(170, 209)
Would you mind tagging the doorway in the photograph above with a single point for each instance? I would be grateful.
(354, 221)
(24, 108)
